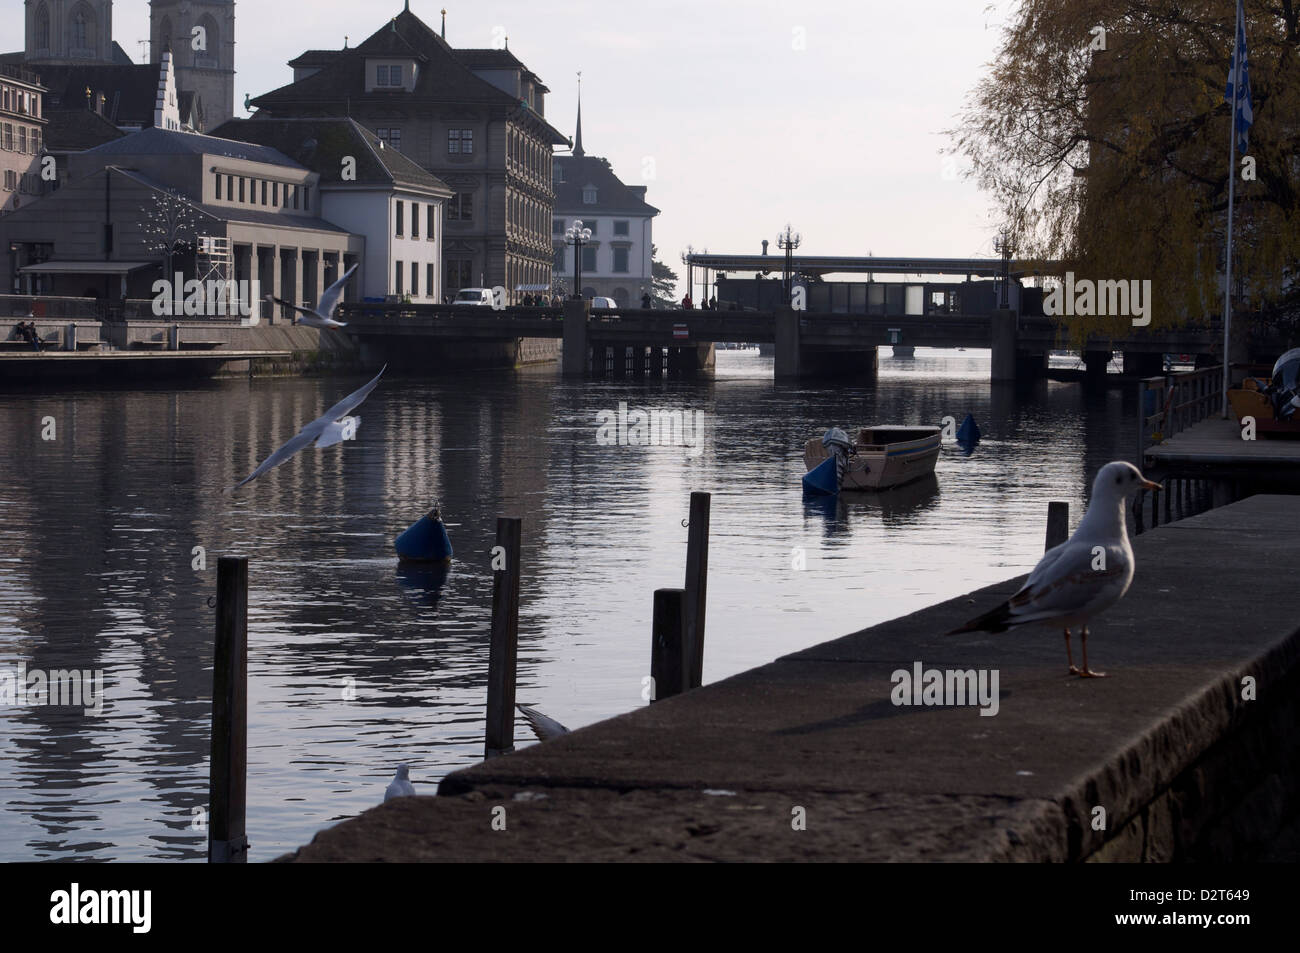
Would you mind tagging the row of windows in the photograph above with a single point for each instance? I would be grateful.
(414, 289)
(28, 183)
(459, 141)
(429, 218)
(558, 226)
(232, 188)
(564, 259)
(19, 101)
(27, 141)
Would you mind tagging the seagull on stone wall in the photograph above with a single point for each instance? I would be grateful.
(322, 315)
(1081, 577)
(401, 785)
(331, 427)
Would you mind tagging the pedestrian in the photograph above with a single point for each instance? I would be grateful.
(713, 303)
(686, 302)
(646, 303)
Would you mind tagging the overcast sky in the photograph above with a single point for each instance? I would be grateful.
(745, 129)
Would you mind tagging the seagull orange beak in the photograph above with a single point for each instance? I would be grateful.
(1147, 484)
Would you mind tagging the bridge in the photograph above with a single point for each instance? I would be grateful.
(807, 343)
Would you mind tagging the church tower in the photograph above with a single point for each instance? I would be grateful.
(69, 32)
(200, 35)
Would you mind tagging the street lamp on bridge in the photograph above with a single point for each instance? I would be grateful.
(788, 240)
(577, 236)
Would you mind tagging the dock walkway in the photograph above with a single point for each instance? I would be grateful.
(1216, 444)
(1182, 765)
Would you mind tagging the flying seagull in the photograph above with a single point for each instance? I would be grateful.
(322, 315)
(544, 728)
(1081, 577)
(330, 428)
(401, 785)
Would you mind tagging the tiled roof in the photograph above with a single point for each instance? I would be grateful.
(130, 92)
(72, 130)
(611, 194)
(155, 142)
(321, 144)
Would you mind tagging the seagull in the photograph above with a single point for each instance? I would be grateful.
(401, 785)
(330, 428)
(544, 728)
(321, 315)
(1081, 577)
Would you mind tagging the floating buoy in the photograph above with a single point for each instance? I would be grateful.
(969, 431)
(425, 540)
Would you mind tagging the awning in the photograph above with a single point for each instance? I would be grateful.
(532, 287)
(84, 267)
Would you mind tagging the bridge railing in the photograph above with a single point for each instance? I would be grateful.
(1171, 404)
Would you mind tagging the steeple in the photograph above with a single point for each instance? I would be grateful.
(577, 139)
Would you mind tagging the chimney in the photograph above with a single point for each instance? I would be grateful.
(765, 246)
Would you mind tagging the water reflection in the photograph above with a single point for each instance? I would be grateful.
(358, 664)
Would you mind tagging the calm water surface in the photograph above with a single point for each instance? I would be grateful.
(357, 665)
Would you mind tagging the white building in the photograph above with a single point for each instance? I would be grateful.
(616, 262)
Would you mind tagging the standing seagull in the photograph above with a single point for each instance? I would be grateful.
(401, 785)
(328, 429)
(1083, 576)
(322, 315)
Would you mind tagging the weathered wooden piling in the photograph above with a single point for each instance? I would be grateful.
(228, 767)
(1058, 523)
(697, 585)
(668, 656)
(503, 650)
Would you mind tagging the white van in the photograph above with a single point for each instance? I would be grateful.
(603, 304)
(475, 297)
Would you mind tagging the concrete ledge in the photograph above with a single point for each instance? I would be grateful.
(1184, 768)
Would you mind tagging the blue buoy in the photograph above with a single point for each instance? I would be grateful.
(822, 478)
(425, 540)
(969, 431)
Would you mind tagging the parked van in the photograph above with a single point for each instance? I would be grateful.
(475, 297)
(599, 304)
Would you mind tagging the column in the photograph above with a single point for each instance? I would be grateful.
(254, 278)
(273, 288)
(320, 276)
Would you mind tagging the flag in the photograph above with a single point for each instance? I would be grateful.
(1238, 93)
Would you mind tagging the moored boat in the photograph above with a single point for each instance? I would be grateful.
(880, 457)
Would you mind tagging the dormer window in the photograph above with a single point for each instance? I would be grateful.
(388, 75)
(589, 195)
(559, 174)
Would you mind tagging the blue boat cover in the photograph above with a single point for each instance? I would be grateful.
(822, 478)
(426, 540)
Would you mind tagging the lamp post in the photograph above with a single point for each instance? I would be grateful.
(690, 271)
(1002, 245)
(577, 236)
(788, 240)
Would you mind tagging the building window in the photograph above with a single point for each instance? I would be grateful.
(390, 137)
(461, 208)
(428, 281)
(230, 188)
(428, 225)
(589, 195)
(22, 138)
(591, 225)
(218, 186)
(460, 142)
(275, 194)
(620, 228)
(264, 195)
(458, 273)
(241, 188)
(80, 32)
(388, 75)
(4, 98)
(401, 215)
(397, 278)
(588, 259)
(415, 279)
(620, 260)
(306, 199)
(415, 219)
(43, 28)
(9, 137)
(557, 226)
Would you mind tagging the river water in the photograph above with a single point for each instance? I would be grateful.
(357, 665)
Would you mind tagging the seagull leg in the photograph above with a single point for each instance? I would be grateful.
(1087, 673)
(1070, 655)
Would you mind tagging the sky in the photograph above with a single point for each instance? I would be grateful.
(738, 115)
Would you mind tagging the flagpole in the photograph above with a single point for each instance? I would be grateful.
(1232, 181)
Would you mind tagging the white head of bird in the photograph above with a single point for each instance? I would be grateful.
(1114, 484)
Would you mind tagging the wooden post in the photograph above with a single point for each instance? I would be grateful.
(697, 585)
(668, 659)
(504, 647)
(1058, 523)
(228, 767)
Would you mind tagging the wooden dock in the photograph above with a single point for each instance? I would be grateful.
(1216, 445)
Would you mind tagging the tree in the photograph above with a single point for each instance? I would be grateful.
(1115, 160)
(663, 278)
(169, 226)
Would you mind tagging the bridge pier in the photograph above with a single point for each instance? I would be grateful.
(794, 360)
(1094, 364)
(573, 362)
(1143, 364)
(1004, 334)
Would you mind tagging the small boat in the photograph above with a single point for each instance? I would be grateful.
(879, 458)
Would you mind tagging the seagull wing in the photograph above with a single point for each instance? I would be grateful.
(349, 403)
(302, 439)
(301, 310)
(329, 300)
(544, 728)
